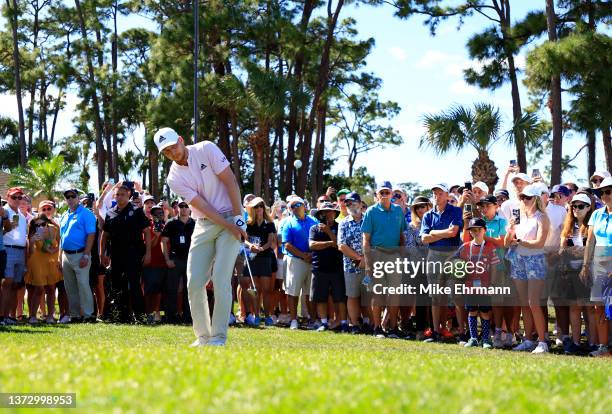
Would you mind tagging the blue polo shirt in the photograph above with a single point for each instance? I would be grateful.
(384, 226)
(436, 220)
(75, 227)
(601, 221)
(296, 232)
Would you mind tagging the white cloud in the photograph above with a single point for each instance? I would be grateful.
(434, 58)
(398, 53)
(461, 88)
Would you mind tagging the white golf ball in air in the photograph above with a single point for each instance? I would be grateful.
(297, 163)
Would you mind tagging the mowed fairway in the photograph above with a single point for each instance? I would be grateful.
(152, 369)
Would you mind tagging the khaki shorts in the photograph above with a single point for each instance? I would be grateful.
(297, 278)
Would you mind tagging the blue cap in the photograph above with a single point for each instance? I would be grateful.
(353, 197)
(385, 185)
(561, 189)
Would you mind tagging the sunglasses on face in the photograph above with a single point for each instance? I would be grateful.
(69, 196)
(43, 224)
(596, 180)
(259, 206)
(524, 197)
(322, 200)
(46, 209)
(397, 195)
(297, 205)
(183, 206)
(384, 193)
(579, 206)
(420, 206)
(607, 191)
(17, 197)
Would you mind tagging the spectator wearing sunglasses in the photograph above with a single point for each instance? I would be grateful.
(440, 232)
(43, 265)
(15, 243)
(279, 214)
(77, 233)
(501, 195)
(573, 189)
(597, 265)
(261, 244)
(383, 233)
(598, 177)
(576, 292)
(341, 199)
(327, 271)
(561, 195)
(528, 266)
(176, 240)
(350, 239)
(295, 233)
(495, 236)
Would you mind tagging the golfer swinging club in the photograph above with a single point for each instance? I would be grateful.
(202, 176)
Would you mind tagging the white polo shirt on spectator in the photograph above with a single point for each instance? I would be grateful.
(18, 236)
(199, 177)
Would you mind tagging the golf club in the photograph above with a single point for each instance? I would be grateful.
(252, 290)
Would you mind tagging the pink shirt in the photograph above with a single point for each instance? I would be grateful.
(199, 177)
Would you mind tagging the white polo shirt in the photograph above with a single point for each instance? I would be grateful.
(18, 236)
(199, 177)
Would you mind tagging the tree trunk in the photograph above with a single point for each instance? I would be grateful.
(94, 97)
(17, 60)
(607, 144)
(320, 88)
(555, 103)
(114, 60)
(234, 147)
(503, 11)
(154, 166)
(58, 104)
(591, 151)
(294, 111)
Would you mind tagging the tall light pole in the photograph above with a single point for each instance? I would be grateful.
(196, 50)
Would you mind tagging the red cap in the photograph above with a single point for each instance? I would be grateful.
(14, 190)
(46, 203)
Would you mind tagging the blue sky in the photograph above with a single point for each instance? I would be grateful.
(423, 74)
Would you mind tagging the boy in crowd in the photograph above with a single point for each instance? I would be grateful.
(484, 259)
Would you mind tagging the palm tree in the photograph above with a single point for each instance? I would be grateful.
(42, 177)
(479, 128)
(461, 126)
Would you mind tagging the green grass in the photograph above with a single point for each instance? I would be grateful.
(152, 369)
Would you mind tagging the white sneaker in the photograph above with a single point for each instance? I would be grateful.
(65, 319)
(542, 348)
(497, 340)
(201, 341)
(525, 346)
(602, 351)
(215, 342)
(294, 324)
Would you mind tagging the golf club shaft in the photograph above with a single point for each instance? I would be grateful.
(249, 268)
